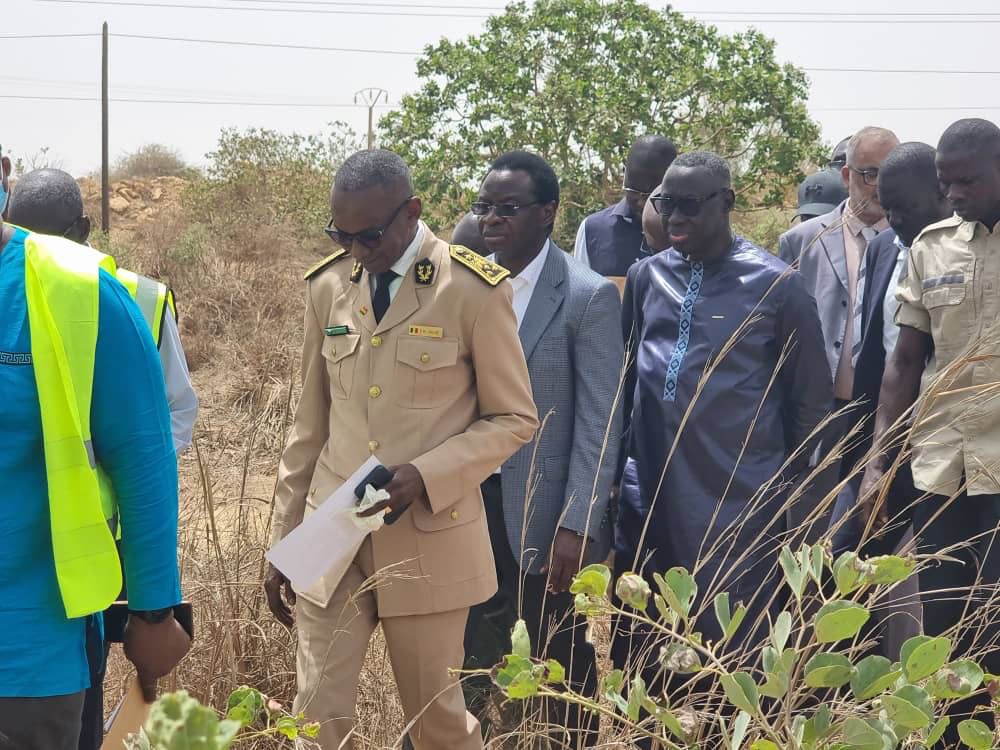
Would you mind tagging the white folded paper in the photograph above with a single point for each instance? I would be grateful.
(326, 542)
(369, 523)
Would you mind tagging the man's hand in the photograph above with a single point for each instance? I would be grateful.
(567, 552)
(274, 581)
(155, 649)
(868, 496)
(406, 487)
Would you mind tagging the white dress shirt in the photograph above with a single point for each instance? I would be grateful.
(402, 266)
(890, 305)
(181, 398)
(524, 283)
(580, 246)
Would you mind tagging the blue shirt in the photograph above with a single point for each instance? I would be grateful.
(42, 652)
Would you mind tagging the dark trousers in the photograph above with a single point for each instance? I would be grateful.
(555, 632)
(92, 728)
(965, 591)
(41, 723)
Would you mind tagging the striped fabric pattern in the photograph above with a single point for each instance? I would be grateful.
(684, 332)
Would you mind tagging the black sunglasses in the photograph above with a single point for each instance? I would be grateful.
(370, 237)
(502, 210)
(665, 204)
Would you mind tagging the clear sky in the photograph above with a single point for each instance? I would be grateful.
(920, 35)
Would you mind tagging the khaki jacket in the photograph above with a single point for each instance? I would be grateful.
(440, 383)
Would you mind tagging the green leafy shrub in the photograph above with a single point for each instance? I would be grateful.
(814, 685)
(177, 721)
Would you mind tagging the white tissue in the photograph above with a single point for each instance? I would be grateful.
(372, 497)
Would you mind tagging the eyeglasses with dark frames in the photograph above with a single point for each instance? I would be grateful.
(500, 210)
(370, 237)
(641, 194)
(869, 176)
(665, 204)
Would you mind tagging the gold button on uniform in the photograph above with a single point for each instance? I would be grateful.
(454, 515)
(376, 341)
(374, 391)
(425, 358)
(372, 446)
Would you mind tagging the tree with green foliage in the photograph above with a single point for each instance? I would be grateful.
(578, 81)
(262, 176)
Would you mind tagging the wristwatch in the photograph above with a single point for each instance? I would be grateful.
(152, 616)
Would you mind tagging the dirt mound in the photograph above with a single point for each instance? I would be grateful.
(133, 202)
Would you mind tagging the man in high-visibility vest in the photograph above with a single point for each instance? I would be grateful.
(81, 387)
(49, 201)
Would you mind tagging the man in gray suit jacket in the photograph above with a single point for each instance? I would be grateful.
(829, 252)
(547, 509)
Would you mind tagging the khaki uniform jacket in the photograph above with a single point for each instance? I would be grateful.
(951, 291)
(440, 383)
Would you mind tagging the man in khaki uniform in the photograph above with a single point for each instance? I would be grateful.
(411, 353)
(949, 308)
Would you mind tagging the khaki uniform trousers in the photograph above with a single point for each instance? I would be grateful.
(333, 641)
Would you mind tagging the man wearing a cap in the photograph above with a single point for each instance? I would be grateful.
(820, 194)
(829, 251)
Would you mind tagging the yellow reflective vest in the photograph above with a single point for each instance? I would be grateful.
(62, 293)
(152, 297)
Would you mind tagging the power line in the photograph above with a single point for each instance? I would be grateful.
(47, 36)
(431, 6)
(823, 21)
(924, 71)
(975, 108)
(137, 4)
(812, 13)
(206, 102)
(235, 43)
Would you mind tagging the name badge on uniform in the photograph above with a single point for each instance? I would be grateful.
(430, 332)
(337, 330)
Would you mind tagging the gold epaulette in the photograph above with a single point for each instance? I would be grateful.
(487, 270)
(324, 263)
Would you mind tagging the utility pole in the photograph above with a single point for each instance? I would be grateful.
(105, 177)
(371, 97)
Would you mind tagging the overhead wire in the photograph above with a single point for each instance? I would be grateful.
(346, 12)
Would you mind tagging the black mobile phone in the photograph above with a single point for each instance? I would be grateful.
(116, 616)
(378, 478)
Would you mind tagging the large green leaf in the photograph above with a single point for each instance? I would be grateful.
(636, 696)
(795, 576)
(520, 641)
(828, 670)
(975, 734)
(956, 680)
(739, 733)
(937, 731)
(847, 573)
(909, 707)
(741, 691)
(764, 745)
(839, 620)
(886, 569)
(678, 587)
(592, 580)
(781, 630)
(868, 734)
(723, 612)
(873, 674)
(924, 658)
